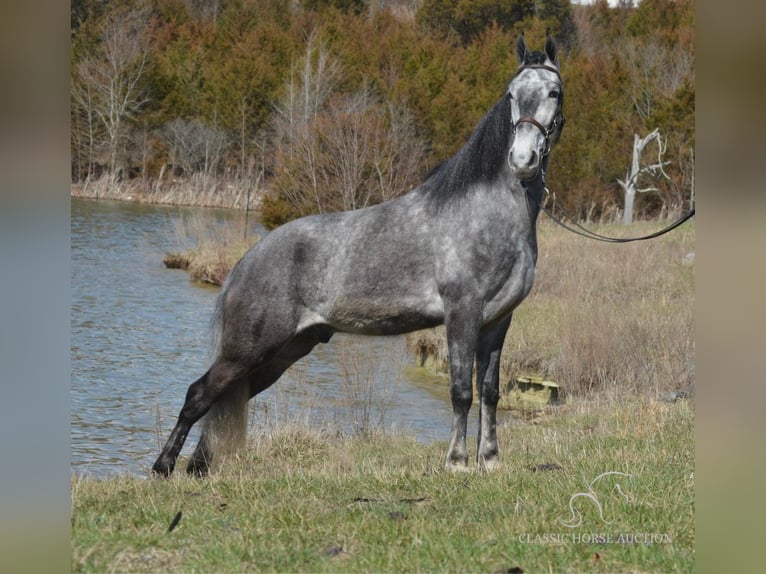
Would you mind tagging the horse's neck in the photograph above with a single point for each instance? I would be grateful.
(528, 197)
(533, 192)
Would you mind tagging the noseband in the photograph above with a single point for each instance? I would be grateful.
(547, 132)
(559, 120)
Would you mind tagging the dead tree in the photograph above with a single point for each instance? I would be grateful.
(632, 183)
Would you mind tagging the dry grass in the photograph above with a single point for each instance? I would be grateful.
(198, 191)
(368, 386)
(616, 318)
(430, 349)
(208, 253)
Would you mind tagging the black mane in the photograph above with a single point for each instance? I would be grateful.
(479, 160)
(483, 156)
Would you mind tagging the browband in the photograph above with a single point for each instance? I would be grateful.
(539, 66)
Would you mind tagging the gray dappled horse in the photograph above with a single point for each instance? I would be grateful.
(459, 250)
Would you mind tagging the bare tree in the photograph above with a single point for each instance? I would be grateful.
(108, 83)
(655, 70)
(632, 185)
(85, 130)
(400, 161)
(356, 153)
(371, 151)
(307, 94)
(194, 146)
(336, 153)
(310, 86)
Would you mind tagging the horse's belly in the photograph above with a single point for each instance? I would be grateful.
(386, 316)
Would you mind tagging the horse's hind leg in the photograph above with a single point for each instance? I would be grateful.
(215, 432)
(199, 398)
(228, 414)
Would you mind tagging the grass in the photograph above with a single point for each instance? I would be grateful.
(208, 253)
(312, 501)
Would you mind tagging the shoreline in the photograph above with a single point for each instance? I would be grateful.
(194, 192)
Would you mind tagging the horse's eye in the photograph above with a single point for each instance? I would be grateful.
(554, 94)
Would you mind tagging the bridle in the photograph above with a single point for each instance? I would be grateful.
(558, 121)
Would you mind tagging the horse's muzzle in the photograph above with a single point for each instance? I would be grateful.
(525, 166)
(527, 152)
(528, 171)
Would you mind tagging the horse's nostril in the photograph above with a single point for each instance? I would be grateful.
(532, 159)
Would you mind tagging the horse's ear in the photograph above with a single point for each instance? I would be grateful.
(551, 50)
(521, 49)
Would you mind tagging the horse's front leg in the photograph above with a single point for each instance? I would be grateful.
(488, 384)
(462, 334)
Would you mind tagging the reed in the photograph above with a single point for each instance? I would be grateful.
(208, 252)
(198, 190)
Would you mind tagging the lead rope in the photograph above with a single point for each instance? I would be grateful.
(584, 232)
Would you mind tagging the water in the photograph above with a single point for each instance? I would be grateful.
(140, 336)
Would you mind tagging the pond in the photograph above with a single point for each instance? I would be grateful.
(140, 335)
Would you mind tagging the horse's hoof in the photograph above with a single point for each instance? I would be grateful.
(162, 469)
(457, 466)
(489, 464)
(197, 469)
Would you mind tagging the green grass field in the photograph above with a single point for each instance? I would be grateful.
(305, 501)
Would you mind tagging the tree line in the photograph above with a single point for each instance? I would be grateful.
(322, 105)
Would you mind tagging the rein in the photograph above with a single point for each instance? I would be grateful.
(585, 232)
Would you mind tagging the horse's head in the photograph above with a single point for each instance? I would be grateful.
(536, 95)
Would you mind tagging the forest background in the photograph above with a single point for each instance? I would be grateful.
(293, 107)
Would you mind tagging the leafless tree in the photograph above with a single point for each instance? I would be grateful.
(632, 183)
(335, 152)
(655, 70)
(311, 84)
(401, 161)
(371, 151)
(107, 84)
(85, 130)
(194, 146)
(356, 153)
